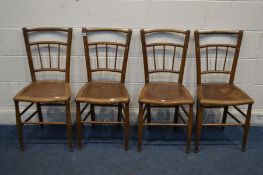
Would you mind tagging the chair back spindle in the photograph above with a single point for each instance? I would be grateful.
(164, 49)
(40, 51)
(229, 51)
(106, 45)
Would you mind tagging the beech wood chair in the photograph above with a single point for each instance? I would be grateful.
(102, 92)
(219, 95)
(45, 92)
(165, 94)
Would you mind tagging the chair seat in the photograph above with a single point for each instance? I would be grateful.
(103, 93)
(44, 91)
(222, 95)
(166, 94)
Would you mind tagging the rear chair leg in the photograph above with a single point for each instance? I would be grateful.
(176, 115)
(92, 114)
(120, 115)
(40, 116)
(79, 125)
(19, 127)
(189, 129)
(69, 126)
(140, 125)
(127, 126)
(119, 112)
(246, 128)
(149, 117)
(224, 117)
(198, 126)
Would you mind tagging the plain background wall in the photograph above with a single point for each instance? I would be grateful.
(135, 14)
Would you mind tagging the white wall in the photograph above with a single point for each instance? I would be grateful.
(135, 14)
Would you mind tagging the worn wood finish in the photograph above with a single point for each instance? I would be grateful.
(165, 94)
(221, 94)
(168, 94)
(40, 91)
(216, 95)
(48, 92)
(104, 93)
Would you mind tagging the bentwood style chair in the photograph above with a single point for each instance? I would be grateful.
(215, 58)
(104, 54)
(165, 94)
(46, 57)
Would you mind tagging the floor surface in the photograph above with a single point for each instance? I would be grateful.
(163, 152)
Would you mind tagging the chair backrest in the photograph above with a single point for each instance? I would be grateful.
(157, 52)
(105, 54)
(48, 55)
(217, 57)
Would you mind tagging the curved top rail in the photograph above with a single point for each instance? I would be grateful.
(107, 30)
(47, 29)
(147, 31)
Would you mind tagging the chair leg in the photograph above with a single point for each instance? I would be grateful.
(176, 115)
(189, 129)
(79, 125)
(127, 126)
(19, 127)
(246, 128)
(92, 114)
(40, 116)
(198, 126)
(69, 126)
(119, 112)
(149, 117)
(224, 117)
(140, 125)
(92, 110)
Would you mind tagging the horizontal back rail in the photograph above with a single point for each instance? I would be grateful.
(164, 44)
(218, 45)
(50, 69)
(164, 70)
(107, 43)
(106, 69)
(48, 42)
(216, 72)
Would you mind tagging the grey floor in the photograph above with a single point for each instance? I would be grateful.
(163, 152)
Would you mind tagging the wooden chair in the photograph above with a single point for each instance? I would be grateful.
(40, 53)
(101, 92)
(219, 95)
(164, 94)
